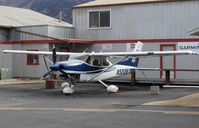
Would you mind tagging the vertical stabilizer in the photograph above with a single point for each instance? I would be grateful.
(133, 61)
(138, 47)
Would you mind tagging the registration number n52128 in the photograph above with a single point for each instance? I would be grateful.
(123, 71)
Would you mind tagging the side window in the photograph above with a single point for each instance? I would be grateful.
(32, 59)
(99, 19)
(105, 63)
(97, 61)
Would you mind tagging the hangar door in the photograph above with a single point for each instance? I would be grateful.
(168, 62)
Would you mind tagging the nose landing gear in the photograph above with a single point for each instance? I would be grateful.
(67, 88)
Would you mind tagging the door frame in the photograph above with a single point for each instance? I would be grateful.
(161, 59)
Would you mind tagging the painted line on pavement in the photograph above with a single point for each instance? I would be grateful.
(101, 110)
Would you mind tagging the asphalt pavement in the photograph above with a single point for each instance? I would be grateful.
(30, 105)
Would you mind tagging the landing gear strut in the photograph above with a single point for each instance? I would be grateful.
(68, 85)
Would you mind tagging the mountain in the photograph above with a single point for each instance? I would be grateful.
(47, 7)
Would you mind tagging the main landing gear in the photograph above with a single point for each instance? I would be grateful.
(110, 88)
(68, 88)
(72, 79)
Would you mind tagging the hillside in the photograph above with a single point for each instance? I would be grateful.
(47, 7)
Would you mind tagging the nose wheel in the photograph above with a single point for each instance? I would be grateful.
(67, 88)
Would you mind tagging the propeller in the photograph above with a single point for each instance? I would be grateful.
(54, 58)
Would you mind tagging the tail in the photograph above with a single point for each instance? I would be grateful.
(133, 61)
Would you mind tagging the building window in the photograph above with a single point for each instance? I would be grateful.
(99, 19)
(32, 59)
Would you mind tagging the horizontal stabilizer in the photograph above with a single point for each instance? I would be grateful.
(147, 69)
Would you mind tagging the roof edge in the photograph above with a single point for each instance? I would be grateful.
(115, 4)
(82, 41)
(2, 26)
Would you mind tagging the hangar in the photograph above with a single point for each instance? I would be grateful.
(160, 24)
(101, 25)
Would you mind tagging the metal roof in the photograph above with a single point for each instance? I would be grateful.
(119, 2)
(15, 17)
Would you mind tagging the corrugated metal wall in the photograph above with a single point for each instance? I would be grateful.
(40, 32)
(3, 34)
(17, 36)
(19, 65)
(5, 59)
(20, 68)
(142, 21)
(60, 32)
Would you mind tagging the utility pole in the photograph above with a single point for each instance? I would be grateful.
(60, 16)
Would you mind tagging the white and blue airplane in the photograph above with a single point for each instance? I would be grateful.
(96, 67)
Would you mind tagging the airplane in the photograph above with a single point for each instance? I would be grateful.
(96, 67)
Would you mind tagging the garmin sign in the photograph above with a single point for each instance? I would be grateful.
(192, 46)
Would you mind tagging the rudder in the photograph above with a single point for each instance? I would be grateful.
(133, 61)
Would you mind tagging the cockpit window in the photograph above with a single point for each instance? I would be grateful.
(88, 60)
(97, 61)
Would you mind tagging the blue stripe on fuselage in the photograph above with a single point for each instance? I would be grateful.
(75, 65)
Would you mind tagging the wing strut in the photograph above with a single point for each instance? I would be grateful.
(144, 74)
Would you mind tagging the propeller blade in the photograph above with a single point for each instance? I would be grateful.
(46, 63)
(47, 73)
(54, 54)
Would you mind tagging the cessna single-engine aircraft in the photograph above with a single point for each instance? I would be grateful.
(92, 67)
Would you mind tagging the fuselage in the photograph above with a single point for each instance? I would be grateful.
(114, 71)
(87, 71)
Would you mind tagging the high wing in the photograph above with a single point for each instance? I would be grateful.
(106, 54)
(41, 52)
(144, 53)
